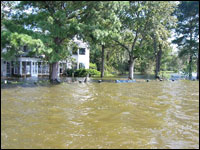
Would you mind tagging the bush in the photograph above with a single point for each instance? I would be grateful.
(165, 74)
(69, 72)
(82, 72)
(108, 74)
(93, 66)
(93, 72)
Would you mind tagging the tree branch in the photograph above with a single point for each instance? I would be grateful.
(134, 42)
(50, 9)
(124, 46)
(74, 15)
(141, 42)
(135, 57)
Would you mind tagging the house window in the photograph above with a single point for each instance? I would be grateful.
(39, 67)
(81, 65)
(25, 49)
(17, 67)
(28, 68)
(23, 67)
(35, 67)
(82, 51)
(74, 65)
(45, 68)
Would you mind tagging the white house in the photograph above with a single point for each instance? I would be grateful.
(35, 66)
(83, 54)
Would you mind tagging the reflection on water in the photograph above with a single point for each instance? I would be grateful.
(106, 115)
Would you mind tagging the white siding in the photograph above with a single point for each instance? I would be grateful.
(85, 59)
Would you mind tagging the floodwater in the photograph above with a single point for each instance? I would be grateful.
(101, 115)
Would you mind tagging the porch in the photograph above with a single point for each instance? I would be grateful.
(28, 67)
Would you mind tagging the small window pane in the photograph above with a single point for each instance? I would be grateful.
(82, 51)
(81, 65)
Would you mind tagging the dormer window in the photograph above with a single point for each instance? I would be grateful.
(82, 51)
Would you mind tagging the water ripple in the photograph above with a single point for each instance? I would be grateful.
(106, 115)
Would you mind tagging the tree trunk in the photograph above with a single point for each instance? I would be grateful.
(50, 70)
(54, 73)
(158, 60)
(190, 59)
(156, 71)
(102, 61)
(190, 67)
(131, 68)
(156, 55)
(198, 66)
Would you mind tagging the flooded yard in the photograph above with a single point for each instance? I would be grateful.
(101, 115)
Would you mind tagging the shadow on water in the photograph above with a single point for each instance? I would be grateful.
(33, 82)
(25, 82)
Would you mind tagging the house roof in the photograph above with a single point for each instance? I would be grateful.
(80, 43)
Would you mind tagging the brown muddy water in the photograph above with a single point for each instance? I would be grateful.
(101, 115)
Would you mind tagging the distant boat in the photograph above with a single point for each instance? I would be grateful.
(125, 81)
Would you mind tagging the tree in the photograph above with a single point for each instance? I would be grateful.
(161, 24)
(102, 25)
(140, 20)
(146, 62)
(6, 10)
(132, 31)
(187, 33)
(11, 40)
(55, 23)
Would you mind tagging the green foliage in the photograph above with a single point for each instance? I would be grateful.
(141, 21)
(165, 74)
(54, 23)
(82, 72)
(13, 42)
(108, 74)
(187, 34)
(68, 72)
(126, 29)
(93, 72)
(93, 66)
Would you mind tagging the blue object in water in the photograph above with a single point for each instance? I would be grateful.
(125, 81)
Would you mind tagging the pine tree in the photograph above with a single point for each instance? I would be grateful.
(188, 33)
